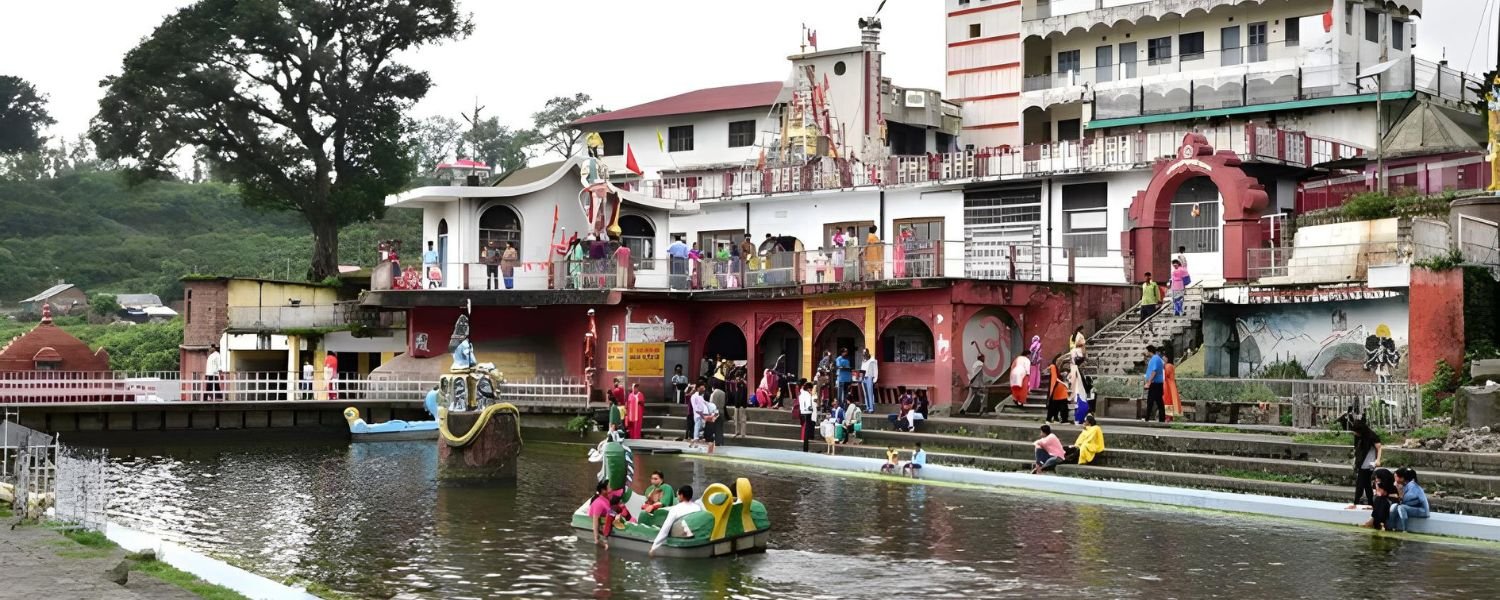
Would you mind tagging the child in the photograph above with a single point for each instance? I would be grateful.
(829, 431)
(890, 460)
(913, 467)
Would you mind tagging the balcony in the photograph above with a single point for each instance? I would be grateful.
(310, 316)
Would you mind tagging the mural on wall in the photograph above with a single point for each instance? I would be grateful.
(1346, 341)
(989, 335)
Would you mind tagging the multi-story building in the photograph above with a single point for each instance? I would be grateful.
(1078, 141)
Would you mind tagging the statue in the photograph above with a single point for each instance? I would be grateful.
(1492, 102)
(595, 198)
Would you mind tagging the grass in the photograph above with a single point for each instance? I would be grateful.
(1260, 476)
(1207, 428)
(1325, 438)
(1430, 432)
(92, 539)
(186, 581)
(5, 511)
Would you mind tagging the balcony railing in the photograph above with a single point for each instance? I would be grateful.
(311, 316)
(1324, 264)
(1058, 8)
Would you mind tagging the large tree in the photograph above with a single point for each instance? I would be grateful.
(500, 146)
(23, 115)
(554, 124)
(431, 140)
(300, 102)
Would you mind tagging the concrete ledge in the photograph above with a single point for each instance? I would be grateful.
(206, 568)
(1462, 526)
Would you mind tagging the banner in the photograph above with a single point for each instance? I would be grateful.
(646, 360)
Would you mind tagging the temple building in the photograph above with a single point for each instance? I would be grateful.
(1078, 146)
(48, 348)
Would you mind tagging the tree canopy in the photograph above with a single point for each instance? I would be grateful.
(299, 102)
(23, 115)
(554, 130)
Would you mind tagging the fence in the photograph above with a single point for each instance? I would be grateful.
(1312, 404)
(72, 480)
(1463, 173)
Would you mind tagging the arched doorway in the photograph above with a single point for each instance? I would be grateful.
(442, 248)
(1195, 224)
(780, 341)
(500, 224)
(639, 235)
(906, 340)
(841, 334)
(726, 341)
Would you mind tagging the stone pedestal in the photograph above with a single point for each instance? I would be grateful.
(1476, 407)
(492, 453)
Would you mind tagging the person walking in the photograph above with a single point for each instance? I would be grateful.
(1020, 374)
(1076, 387)
(1182, 258)
(1367, 454)
(490, 257)
(1179, 287)
(1057, 395)
(508, 260)
(739, 398)
(1150, 297)
(1036, 362)
(1170, 396)
(869, 379)
(1155, 384)
(806, 410)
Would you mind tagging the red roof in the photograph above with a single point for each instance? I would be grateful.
(750, 95)
(48, 342)
(464, 163)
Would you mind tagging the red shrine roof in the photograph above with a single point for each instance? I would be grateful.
(49, 343)
(749, 95)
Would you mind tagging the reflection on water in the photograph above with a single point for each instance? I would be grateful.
(369, 519)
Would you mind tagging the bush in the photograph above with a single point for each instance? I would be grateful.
(1117, 388)
(1375, 205)
(1437, 394)
(1287, 369)
(580, 424)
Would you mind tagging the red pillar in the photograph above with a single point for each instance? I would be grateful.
(1239, 237)
(1435, 322)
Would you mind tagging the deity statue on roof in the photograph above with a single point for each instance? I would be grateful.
(594, 200)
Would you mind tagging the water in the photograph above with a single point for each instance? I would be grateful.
(370, 520)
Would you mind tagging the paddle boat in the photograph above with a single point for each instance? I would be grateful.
(730, 522)
(396, 430)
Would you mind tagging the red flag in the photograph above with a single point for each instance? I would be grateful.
(812, 38)
(1328, 21)
(630, 164)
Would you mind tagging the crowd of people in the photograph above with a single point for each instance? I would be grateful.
(846, 256)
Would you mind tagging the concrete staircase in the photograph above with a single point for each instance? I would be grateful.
(1119, 348)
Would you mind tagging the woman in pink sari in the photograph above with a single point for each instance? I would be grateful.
(903, 239)
(766, 392)
(635, 411)
(1036, 362)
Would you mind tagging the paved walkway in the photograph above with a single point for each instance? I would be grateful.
(41, 563)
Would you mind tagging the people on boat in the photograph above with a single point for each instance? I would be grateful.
(1367, 453)
(684, 505)
(659, 494)
(1089, 444)
(635, 411)
(1049, 451)
(1413, 503)
(913, 467)
(604, 510)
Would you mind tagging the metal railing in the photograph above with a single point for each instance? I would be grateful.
(1314, 403)
(1455, 174)
(1325, 264)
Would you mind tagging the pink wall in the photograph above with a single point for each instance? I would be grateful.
(1436, 322)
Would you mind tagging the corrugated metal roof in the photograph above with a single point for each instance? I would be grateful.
(137, 300)
(49, 292)
(750, 95)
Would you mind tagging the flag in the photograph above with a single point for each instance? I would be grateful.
(630, 164)
(1328, 21)
(812, 38)
(760, 163)
(661, 143)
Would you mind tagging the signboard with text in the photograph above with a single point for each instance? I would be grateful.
(646, 360)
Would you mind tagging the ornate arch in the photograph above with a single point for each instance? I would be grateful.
(764, 321)
(1148, 239)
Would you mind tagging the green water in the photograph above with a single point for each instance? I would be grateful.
(370, 520)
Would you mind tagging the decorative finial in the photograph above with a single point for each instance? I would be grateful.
(46, 313)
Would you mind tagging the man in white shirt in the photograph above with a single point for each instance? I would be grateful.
(700, 408)
(807, 409)
(685, 506)
(212, 369)
(430, 266)
(871, 375)
(307, 379)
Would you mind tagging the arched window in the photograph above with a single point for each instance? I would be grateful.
(906, 340)
(500, 224)
(1195, 216)
(637, 233)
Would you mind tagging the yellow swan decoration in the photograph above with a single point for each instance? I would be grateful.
(484, 418)
(717, 502)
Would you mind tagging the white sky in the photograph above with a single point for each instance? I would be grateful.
(621, 52)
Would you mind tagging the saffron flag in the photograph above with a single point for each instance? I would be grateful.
(760, 163)
(630, 164)
(661, 144)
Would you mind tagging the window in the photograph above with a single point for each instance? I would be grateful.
(1127, 60)
(1192, 45)
(1398, 34)
(500, 224)
(614, 142)
(1256, 46)
(1230, 52)
(1372, 26)
(708, 241)
(906, 340)
(680, 138)
(1104, 58)
(839, 68)
(1069, 129)
(1010, 215)
(921, 250)
(741, 133)
(973, 30)
(1085, 219)
(1159, 51)
(1068, 62)
(187, 307)
(1348, 18)
(1294, 32)
(1198, 232)
(637, 233)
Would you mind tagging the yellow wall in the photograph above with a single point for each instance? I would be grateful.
(249, 292)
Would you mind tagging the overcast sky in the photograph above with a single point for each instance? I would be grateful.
(621, 52)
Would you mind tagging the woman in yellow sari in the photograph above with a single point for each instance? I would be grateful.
(1090, 441)
(1170, 399)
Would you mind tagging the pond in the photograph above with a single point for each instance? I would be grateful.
(370, 520)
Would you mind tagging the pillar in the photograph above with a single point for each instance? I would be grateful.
(1239, 237)
(293, 365)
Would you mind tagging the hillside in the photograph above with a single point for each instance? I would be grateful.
(93, 230)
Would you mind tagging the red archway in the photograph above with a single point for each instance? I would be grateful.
(1148, 240)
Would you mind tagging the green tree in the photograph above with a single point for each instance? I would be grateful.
(503, 148)
(553, 125)
(103, 305)
(431, 140)
(23, 115)
(300, 102)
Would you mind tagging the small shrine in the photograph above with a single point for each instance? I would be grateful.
(48, 348)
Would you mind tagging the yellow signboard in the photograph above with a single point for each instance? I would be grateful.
(646, 360)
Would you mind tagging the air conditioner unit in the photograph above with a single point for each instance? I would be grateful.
(915, 99)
